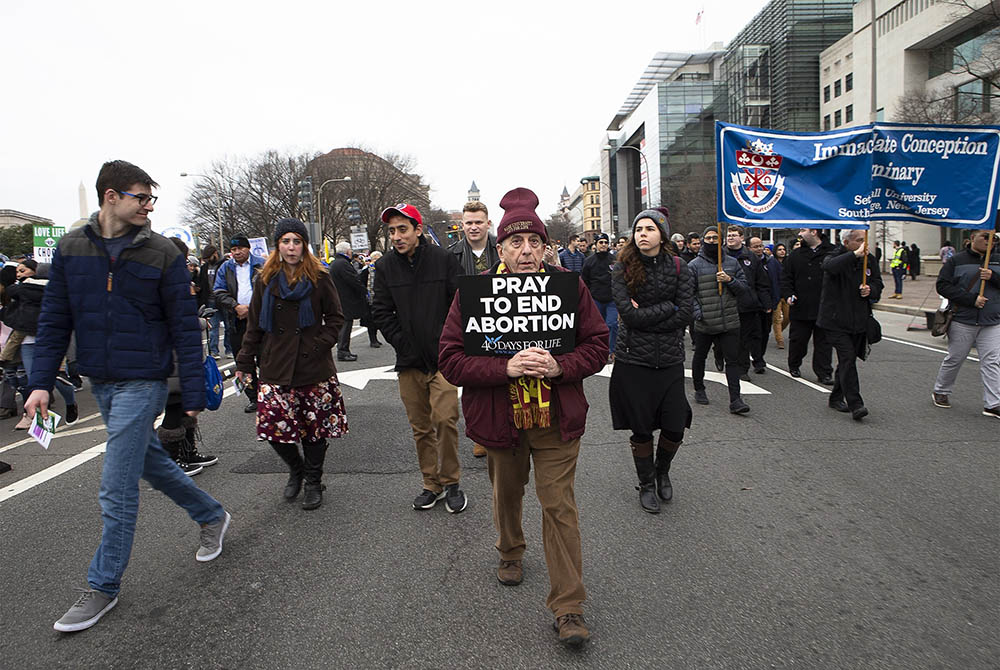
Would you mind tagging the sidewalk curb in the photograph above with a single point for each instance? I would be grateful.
(901, 309)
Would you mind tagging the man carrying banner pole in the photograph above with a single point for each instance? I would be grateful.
(530, 408)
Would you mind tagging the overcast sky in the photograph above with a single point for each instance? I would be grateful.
(507, 94)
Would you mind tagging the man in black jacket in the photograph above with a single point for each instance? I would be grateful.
(353, 297)
(414, 287)
(801, 287)
(596, 274)
(844, 309)
(751, 304)
(477, 250)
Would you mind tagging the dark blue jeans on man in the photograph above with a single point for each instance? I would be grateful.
(133, 452)
(897, 278)
(609, 312)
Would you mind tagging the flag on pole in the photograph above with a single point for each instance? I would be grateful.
(697, 19)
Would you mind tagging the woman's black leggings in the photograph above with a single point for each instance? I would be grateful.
(639, 438)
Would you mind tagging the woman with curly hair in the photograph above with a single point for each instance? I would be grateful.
(292, 327)
(654, 294)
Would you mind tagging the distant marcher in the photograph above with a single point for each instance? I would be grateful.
(353, 297)
(976, 320)
(233, 290)
(751, 304)
(900, 257)
(654, 292)
(206, 281)
(529, 410)
(367, 277)
(946, 251)
(572, 257)
(844, 310)
(772, 269)
(692, 247)
(294, 321)
(913, 257)
(779, 316)
(801, 286)
(596, 274)
(414, 287)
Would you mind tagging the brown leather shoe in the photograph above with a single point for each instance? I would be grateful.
(478, 450)
(572, 629)
(510, 573)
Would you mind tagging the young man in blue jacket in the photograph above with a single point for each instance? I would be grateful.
(126, 293)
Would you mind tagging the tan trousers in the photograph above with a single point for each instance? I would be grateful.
(432, 408)
(779, 320)
(555, 471)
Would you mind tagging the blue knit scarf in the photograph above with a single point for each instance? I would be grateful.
(300, 294)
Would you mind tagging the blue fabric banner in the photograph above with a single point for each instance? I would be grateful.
(941, 175)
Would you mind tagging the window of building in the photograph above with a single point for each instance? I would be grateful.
(849, 82)
(848, 113)
(826, 93)
(836, 119)
(836, 89)
(826, 122)
(962, 49)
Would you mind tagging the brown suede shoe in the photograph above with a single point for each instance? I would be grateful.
(572, 629)
(510, 573)
(478, 450)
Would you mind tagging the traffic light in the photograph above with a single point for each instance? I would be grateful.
(353, 212)
(305, 195)
(453, 231)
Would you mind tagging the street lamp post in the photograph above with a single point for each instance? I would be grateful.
(609, 148)
(218, 202)
(319, 206)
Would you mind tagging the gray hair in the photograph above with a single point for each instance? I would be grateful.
(854, 233)
(343, 247)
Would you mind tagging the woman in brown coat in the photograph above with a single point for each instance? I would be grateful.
(292, 326)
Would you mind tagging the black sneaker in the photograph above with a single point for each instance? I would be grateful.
(701, 397)
(840, 405)
(72, 414)
(795, 372)
(744, 377)
(251, 407)
(427, 499)
(454, 499)
(194, 457)
(738, 407)
(189, 469)
(346, 356)
(992, 411)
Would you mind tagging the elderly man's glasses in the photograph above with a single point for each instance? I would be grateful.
(143, 198)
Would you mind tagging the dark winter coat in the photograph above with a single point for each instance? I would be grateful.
(467, 258)
(486, 405)
(758, 298)
(206, 283)
(412, 298)
(841, 306)
(290, 355)
(353, 294)
(129, 316)
(226, 288)
(596, 274)
(652, 335)
(773, 268)
(25, 304)
(953, 283)
(803, 278)
(714, 313)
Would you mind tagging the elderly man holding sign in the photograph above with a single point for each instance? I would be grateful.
(520, 347)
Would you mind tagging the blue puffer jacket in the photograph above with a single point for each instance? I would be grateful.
(129, 316)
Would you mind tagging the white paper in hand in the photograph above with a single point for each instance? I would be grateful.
(42, 431)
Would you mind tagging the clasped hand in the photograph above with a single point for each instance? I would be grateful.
(533, 362)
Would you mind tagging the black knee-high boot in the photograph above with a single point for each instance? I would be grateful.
(642, 454)
(665, 451)
(289, 453)
(172, 440)
(314, 453)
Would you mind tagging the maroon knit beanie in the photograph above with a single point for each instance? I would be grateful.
(519, 215)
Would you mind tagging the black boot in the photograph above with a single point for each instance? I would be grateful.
(175, 444)
(642, 454)
(289, 453)
(665, 450)
(314, 454)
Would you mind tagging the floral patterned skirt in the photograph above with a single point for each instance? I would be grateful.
(301, 413)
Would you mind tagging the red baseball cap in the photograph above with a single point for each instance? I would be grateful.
(402, 209)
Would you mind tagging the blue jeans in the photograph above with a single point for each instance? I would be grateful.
(28, 360)
(133, 451)
(609, 312)
(897, 276)
(213, 334)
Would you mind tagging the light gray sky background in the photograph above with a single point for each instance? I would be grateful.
(507, 94)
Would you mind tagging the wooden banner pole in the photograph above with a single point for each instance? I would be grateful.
(864, 263)
(986, 262)
(720, 255)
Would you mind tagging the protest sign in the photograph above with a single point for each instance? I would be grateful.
(46, 239)
(939, 175)
(506, 313)
(258, 246)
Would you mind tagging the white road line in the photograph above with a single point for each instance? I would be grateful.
(50, 472)
(921, 346)
(800, 380)
(61, 433)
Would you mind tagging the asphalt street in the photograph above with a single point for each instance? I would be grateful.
(797, 538)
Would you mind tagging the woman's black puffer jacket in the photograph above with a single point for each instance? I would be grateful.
(652, 335)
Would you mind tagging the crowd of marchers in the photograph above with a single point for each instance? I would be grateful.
(127, 309)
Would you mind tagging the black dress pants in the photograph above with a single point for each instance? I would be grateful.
(766, 319)
(799, 332)
(344, 341)
(750, 341)
(729, 343)
(846, 385)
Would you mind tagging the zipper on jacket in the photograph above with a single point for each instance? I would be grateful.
(110, 276)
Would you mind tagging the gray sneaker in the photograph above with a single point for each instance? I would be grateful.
(211, 538)
(86, 611)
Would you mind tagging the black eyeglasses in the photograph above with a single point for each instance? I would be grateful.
(143, 198)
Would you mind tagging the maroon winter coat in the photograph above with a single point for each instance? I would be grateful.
(489, 414)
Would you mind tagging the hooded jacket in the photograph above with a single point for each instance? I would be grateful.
(715, 313)
(652, 334)
(953, 282)
(803, 278)
(486, 405)
(129, 316)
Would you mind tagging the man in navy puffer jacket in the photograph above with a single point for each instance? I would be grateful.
(126, 292)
